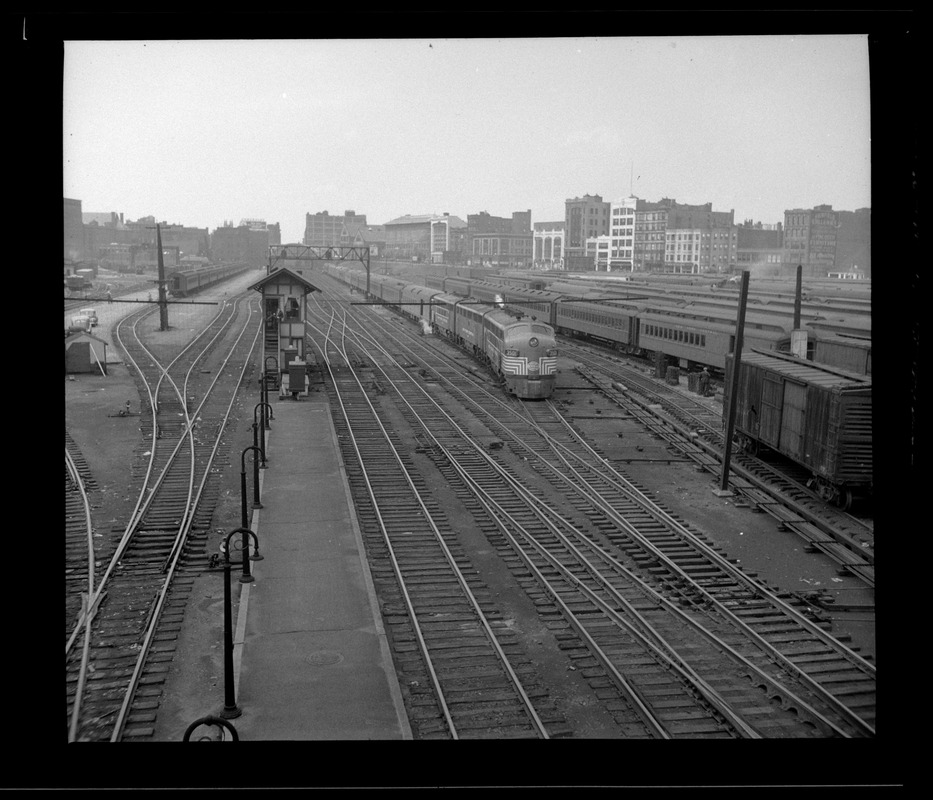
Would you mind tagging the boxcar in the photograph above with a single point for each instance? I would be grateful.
(846, 352)
(817, 416)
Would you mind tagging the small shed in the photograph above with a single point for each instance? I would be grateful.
(85, 352)
(284, 293)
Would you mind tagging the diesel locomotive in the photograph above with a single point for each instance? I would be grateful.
(519, 350)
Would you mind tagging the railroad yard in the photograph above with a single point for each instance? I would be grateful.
(556, 568)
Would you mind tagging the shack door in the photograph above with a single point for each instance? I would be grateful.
(771, 392)
(795, 402)
(78, 357)
(271, 314)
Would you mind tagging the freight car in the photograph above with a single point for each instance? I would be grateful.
(816, 416)
(847, 352)
(519, 351)
(182, 283)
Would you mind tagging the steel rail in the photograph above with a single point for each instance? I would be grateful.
(87, 608)
(172, 565)
(670, 522)
(147, 492)
(542, 512)
(539, 725)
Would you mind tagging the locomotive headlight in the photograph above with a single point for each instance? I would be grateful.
(533, 341)
(511, 352)
(552, 352)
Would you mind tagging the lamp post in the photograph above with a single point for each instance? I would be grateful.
(244, 514)
(230, 710)
(275, 372)
(267, 414)
(219, 722)
(260, 426)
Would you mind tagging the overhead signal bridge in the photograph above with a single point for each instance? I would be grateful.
(281, 254)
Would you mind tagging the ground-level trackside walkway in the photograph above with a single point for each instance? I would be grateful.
(310, 653)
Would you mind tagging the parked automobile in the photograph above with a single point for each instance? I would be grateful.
(79, 322)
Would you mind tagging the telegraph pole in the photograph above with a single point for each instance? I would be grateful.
(163, 305)
(734, 388)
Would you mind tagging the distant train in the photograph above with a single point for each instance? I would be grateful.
(690, 333)
(80, 281)
(182, 283)
(520, 351)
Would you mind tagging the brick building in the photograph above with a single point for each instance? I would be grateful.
(426, 237)
(810, 240)
(653, 221)
(356, 234)
(500, 241)
(325, 230)
(853, 242)
(584, 218)
(247, 243)
(760, 248)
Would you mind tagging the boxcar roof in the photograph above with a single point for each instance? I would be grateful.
(806, 371)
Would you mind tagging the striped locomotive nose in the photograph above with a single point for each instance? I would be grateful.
(515, 365)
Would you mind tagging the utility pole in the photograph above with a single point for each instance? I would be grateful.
(797, 296)
(163, 305)
(734, 389)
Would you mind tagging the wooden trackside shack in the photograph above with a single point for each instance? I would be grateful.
(85, 352)
(815, 415)
(284, 293)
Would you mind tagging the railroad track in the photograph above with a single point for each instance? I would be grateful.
(132, 616)
(731, 622)
(463, 677)
(689, 426)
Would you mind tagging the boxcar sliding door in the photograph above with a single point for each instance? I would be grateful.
(772, 391)
(792, 421)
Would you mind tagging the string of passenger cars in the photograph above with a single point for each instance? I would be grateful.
(522, 352)
(183, 282)
(695, 334)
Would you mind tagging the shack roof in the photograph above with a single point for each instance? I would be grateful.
(284, 274)
(81, 335)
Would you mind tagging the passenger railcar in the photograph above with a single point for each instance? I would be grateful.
(613, 324)
(817, 416)
(183, 283)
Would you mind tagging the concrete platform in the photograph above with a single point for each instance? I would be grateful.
(310, 654)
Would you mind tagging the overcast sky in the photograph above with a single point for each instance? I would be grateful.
(198, 132)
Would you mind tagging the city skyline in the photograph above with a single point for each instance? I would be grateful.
(280, 129)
